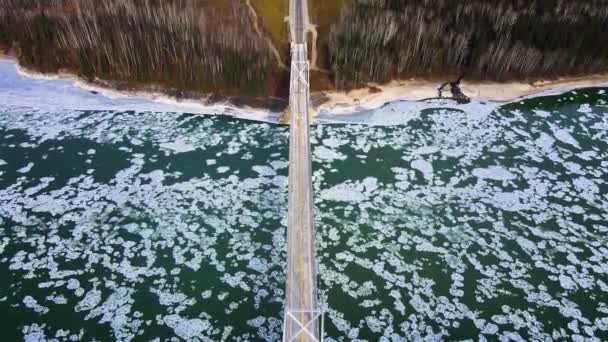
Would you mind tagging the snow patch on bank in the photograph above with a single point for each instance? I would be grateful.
(20, 88)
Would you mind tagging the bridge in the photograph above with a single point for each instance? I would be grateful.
(303, 318)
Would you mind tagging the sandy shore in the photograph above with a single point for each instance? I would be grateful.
(413, 90)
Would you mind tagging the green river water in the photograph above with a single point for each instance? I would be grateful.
(478, 222)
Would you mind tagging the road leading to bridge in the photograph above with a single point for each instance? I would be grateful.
(298, 21)
(303, 317)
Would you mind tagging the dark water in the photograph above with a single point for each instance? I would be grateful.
(460, 223)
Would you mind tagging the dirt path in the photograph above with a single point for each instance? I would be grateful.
(258, 30)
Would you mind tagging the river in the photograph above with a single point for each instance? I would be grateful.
(435, 220)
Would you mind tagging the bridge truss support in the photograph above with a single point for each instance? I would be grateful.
(304, 318)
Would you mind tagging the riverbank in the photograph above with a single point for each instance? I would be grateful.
(117, 89)
(377, 95)
(22, 88)
(331, 103)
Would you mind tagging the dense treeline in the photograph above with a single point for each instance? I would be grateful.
(376, 40)
(212, 46)
(194, 45)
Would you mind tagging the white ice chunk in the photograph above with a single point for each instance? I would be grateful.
(493, 172)
(425, 167)
(178, 146)
(264, 170)
(26, 168)
(564, 136)
(186, 328)
(585, 108)
(91, 300)
(426, 150)
(343, 193)
(566, 282)
(328, 155)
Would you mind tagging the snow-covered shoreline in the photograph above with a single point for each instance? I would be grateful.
(24, 88)
(396, 103)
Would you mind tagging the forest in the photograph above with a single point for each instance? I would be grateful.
(225, 47)
(181, 45)
(379, 40)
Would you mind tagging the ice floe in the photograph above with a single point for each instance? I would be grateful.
(494, 173)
